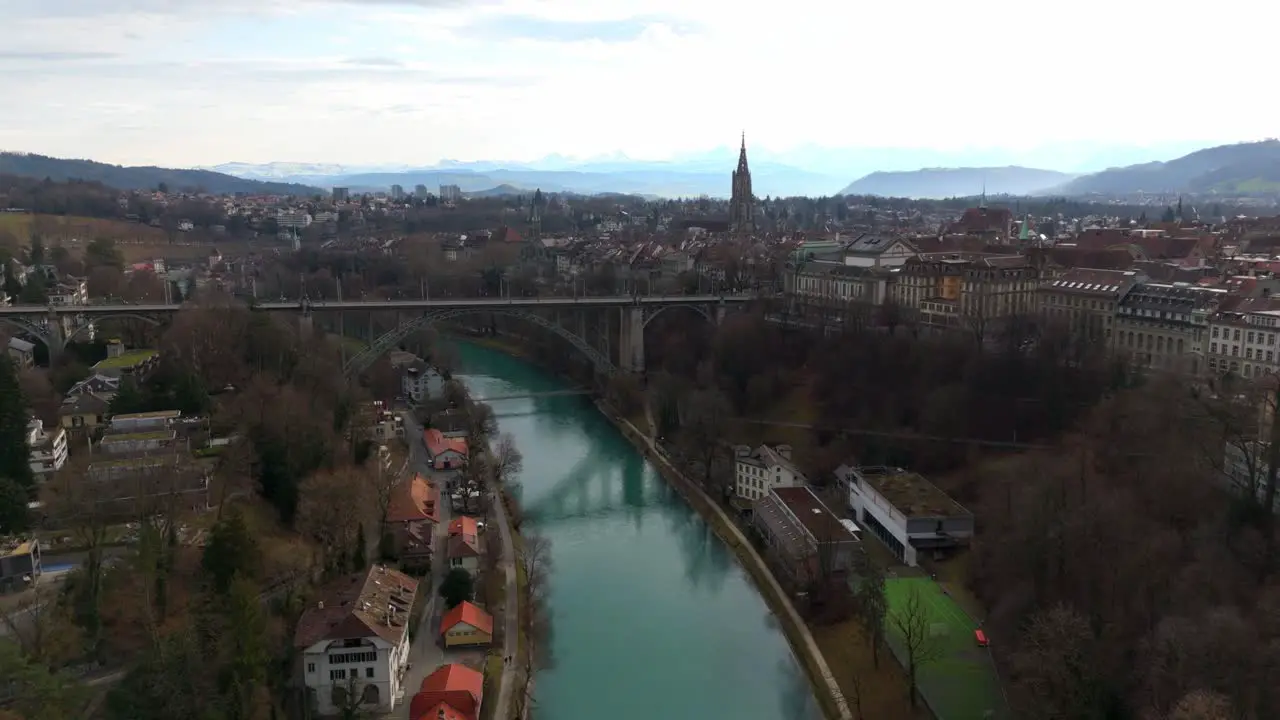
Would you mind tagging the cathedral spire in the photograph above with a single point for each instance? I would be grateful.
(742, 202)
(742, 154)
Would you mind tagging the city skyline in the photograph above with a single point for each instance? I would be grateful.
(178, 83)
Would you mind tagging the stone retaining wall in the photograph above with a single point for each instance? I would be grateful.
(825, 688)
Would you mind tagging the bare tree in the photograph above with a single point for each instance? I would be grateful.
(913, 623)
(870, 601)
(1056, 666)
(534, 557)
(1202, 705)
(45, 630)
(506, 460)
(703, 421)
(332, 506)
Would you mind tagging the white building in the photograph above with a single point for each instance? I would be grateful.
(758, 471)
(47, 450)
(22, 352)
(905, 511)
(450, 193)
(73, 292)
(292, 220)
(356, 641)
(421, 382)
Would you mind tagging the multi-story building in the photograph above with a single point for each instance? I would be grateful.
(837, 282)
(974, 292)
(1242, 338)
(905, 511)
(420, 192)
(47, 451)
(1085, 300)
(758, 471)
(71, 291)
(341, 194)
(874, 250)
(450, 193)
(1165, 326)
(293, 219)
(397, 192)
(354, 641)
(806, 540)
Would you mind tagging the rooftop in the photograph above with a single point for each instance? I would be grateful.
(816, 517)
(909, 492)
(128, 358)
(10, 547)
(137, 436)
(153, 415)
(376, 603)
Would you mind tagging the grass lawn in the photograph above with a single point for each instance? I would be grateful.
(492, 684)
(962, 683)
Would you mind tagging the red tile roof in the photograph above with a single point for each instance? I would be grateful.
(462, 546)
(467, 613)
(464, 525)
(413, 499)
(457, 686)
(437, 443)
(360, 606)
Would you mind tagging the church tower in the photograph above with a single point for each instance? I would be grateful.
(742, 204)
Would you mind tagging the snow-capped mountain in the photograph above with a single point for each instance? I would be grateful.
(280, 170)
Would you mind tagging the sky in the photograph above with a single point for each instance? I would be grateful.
(184, 83)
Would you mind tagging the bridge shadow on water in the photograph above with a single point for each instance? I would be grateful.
(599, 485)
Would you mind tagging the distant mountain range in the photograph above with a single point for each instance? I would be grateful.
(1241, 169)
(957, 182)
(141, 178)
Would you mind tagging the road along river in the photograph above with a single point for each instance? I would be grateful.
(652, 617)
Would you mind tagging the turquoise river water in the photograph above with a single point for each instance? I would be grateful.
(652, 616)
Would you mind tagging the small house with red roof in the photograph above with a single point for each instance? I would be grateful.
(451, 692)
(465, 625)
(412, 514)
(446, 453)
(354, 641)
(463, 548)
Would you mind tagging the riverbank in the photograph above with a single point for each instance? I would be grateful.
(823, 682)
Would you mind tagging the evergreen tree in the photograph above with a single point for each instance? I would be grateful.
(37, 250)
(12, 287)
(358, 561)
(231, 551)
(128, 399)
(34, 292)
(14, 417)
(13, 507)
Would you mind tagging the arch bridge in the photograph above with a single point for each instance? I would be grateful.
(632, 321)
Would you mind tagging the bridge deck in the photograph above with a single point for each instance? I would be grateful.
(375, 305)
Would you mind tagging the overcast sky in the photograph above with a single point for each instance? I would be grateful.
(196, 82)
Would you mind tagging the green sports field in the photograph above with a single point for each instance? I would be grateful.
(962, 684)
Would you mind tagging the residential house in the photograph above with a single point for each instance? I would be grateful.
(22, 352)
(445, 453)
(1166, 326)
(905, 511)
(47, 451)
(19, 564)
(1242, 337)
(466, 625)
(104, 386)
(73, 291)
(83, 412)
(758, 471)
(838, 283)
(463, 549)
(804, 538)
(1085, 300)
(354, 642)
(421, 382)
(412, 514)
(451, 692)
(121, 362)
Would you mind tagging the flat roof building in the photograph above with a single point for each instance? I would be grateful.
(904, 510)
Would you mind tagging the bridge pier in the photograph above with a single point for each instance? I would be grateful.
(719, 313)
(54, 340)
(631, 339)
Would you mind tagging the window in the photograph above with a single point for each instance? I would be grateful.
(338, 674)
(368, 672)
(311, 667)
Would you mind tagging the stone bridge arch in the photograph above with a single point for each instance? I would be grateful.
(392, 338)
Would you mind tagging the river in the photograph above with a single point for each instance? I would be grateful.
(652, 616)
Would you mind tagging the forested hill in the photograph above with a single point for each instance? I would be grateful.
(141, 178)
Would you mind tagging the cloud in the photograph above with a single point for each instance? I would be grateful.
(55, 55)
(373, 62)
(528, 27)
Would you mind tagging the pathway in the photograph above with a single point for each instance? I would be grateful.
(510, 613)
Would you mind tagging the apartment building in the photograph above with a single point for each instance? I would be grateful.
(1163, 327)
(450, 193)
(837, 282)
(46, 450)
(968, 291)
(1242, 338)
(1085, 300)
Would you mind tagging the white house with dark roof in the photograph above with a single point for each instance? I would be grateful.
(875, 250)
(22, 352)
(355, 639)
(758, 471)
